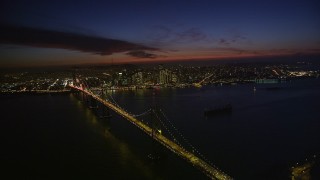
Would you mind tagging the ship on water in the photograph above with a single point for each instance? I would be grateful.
(227, 109)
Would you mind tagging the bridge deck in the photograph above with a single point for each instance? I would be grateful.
(210, 171)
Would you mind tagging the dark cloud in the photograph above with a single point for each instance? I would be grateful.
(232, 37)
(230, 49)
(191, 35)
(163, 35)
(224, 42)
(160, 33)
(10, 34)
(232, 40)
(141, 54)
(239, 38)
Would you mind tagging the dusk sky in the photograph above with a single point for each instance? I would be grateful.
(84, 32)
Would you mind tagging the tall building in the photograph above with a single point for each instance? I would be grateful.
(137, 78)
(165, 76)
(174, 78)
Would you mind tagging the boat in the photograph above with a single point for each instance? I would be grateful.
(218, 110)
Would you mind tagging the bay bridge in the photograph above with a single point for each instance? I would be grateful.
(173, 145)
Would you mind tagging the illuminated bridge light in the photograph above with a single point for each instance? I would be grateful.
(210, 171)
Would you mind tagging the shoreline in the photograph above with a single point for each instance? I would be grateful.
(37, 92)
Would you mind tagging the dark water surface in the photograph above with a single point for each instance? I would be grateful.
(58, 136)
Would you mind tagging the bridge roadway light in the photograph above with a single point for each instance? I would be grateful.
(173, 147)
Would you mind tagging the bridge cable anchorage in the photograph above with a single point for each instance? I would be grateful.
(185, 140)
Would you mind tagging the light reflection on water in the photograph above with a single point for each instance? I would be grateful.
(266, 133)
(126, 157)
(268, 130)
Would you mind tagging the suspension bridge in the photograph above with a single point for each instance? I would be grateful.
(202, 163)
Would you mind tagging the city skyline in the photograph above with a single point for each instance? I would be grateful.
(36, 33)
(160, 89)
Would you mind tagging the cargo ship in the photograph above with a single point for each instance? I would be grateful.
(218, 110)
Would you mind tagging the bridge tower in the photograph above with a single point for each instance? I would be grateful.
(157, 150)
(155, 122)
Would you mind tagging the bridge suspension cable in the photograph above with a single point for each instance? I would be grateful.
(114, 101)
(134, 115)
(141, 114)
(170, 133)
(203, 164)
(184, 139)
